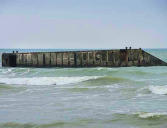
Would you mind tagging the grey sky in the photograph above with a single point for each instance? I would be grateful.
(83, 23)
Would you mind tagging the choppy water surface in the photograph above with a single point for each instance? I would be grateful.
(132, 97)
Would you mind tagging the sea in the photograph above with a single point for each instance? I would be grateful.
(100, 97)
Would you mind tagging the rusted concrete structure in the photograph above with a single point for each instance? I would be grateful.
(90, 58)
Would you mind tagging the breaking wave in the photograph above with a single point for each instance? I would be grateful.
(107, 80)
(57, 80)
(45, 80)
(140, 116)
(161, 90)
(145, 115)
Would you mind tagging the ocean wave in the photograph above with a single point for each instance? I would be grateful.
(141, 119)
(145, 115)
(45, 80)
(74, 123)
(31, 125)
(4, 87)
(112, 79)
(107, 80)
(66, 72)
(141, 115)
(161, 90)
(123, 70)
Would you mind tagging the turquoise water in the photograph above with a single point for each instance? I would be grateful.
(127, 97)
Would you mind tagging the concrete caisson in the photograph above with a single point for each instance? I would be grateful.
(89, 58)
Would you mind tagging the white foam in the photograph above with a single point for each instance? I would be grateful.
(100, 68)
(151, 115)
(161, 90)
(45, 80)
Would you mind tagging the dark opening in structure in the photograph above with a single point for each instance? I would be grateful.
(75, 59)
(12, 60)
(43, 59)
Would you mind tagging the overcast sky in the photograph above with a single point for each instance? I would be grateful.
(83, 23)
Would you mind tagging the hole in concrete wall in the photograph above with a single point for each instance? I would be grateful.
(75, 59)
(12, 60)
(104, 57)
(43, 59)
(123, 54)
(6, 61)
(110, 56)
(84, 56)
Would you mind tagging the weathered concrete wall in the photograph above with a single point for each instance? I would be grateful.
(53, 59)
(94, 58)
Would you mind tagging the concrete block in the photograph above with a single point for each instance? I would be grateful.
(35, 59)
(65, 59)
(40, 59)
(47, 59)
(53, 59)
(59, 59)
(90, 59)
(84, 59)
(71, 59)
(78, 59)
(98, 58)
(94, 58)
